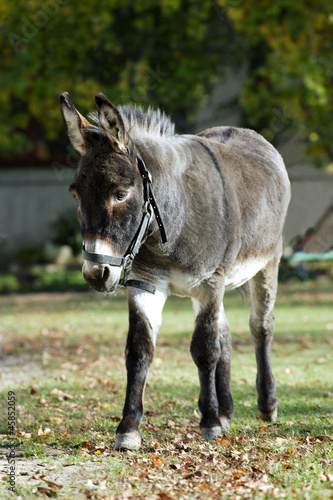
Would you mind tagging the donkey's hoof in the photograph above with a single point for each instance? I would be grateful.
(209, 434)
(225, 424)
(269, 417)
(128, 441)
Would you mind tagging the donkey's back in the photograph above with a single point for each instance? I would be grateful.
(240, 183)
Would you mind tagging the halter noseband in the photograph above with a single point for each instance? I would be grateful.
(149, 208)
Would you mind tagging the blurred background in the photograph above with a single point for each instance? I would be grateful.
(249, 63)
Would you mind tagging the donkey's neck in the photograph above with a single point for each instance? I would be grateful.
(167, 161)
(164, 157)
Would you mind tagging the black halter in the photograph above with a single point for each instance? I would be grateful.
(149, 208)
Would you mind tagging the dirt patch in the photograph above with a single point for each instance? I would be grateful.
(60, 476)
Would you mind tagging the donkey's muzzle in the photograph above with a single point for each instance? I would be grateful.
(101, 277)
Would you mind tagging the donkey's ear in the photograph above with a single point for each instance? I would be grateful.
(112, 123)
(75, 123)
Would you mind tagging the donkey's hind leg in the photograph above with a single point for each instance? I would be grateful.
(263, 287)
(222, 376)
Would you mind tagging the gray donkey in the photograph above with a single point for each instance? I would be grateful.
(192, 215)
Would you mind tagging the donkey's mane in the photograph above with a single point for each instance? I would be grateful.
(139, 122)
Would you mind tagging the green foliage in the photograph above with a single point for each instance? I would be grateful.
(30, 255)
(165, 53)
(145, 52)
(67, 231)
(289, 83)
(42, 281)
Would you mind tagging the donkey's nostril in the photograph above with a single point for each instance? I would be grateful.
(106, 273)
(103, 278)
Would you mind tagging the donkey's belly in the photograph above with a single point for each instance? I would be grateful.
(241, 272)
(186, 285)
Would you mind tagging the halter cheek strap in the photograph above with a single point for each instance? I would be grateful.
(149, 209)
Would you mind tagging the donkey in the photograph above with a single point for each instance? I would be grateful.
(192, 215)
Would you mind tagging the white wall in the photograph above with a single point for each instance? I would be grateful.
(30, 199)
(312, 195)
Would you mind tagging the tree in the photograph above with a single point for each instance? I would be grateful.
(290, 75)
(166, 53)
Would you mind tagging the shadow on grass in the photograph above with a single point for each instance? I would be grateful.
(302, 409)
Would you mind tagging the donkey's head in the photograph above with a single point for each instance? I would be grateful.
(107, 186)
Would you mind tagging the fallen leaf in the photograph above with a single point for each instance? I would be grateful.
(60, 394)
(53, 484)
(223, 441)
(50, 492)
(44, 433)
(281, 440)
(26, 435)
(157, 462)
(102, 485)
(326, 476)
(150, 414)
(206, 488)
(58, 420)
(87, 446)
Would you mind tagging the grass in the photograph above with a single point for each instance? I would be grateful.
(63, 357)
(40, 279)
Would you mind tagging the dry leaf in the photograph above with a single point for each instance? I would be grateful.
(53, 484)
(44, 433)
(26, 435)
(50, 492)
(164, 496)
(57, 420)
(60, 394)
(87, 446)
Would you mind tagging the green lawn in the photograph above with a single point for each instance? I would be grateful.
(62, 355)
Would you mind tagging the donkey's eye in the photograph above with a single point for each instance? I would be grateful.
(121, 195)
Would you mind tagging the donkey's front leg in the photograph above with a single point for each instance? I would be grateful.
(206, 351)
(145, 316)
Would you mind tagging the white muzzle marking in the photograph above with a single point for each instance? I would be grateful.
(92, 269)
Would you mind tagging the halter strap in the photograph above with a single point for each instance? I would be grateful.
(149, 208)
